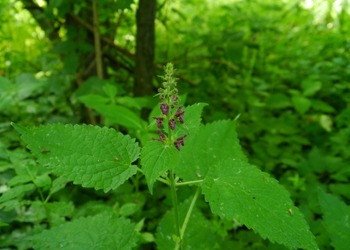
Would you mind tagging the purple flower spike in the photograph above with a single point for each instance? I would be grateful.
(180, 114)
(164, 107)
(172, 123)
(159, 121)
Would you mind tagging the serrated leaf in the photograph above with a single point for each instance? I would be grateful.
(101, 232)
(212, 143)
(192, 119)
(156, 158)
(336, 216)
(198, 233)
(88, 155)
(238, 190)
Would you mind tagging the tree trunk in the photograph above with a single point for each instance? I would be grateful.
(145, 42)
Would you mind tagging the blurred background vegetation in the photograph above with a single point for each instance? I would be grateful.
(282, 65)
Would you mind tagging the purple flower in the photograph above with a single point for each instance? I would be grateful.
(172, 123)
(161, 136)
(164, 107)
(180, 142)
(159, 121)
(180, 114)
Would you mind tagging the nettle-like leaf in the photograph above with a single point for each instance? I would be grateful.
(336, 217)
(88, 155)
(103, 231)
(238, 190)
(156, 159)
(212, 143)
(192, 119)
(198, 233)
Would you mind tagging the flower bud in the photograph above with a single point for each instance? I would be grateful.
(164, 107)
(180, 114)
(159, 121)
(172, 123)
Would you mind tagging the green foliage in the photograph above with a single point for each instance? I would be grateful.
(238, 190)
(336, 220)
(156, 159)
(91, 156)
(103, 231)
(192, 239)
(213, 142)
(281, 65)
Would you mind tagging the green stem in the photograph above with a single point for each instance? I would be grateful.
(188, 215)
(175, 205)
(188, 183)
(187, 218)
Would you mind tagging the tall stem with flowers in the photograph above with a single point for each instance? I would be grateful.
(169, 96)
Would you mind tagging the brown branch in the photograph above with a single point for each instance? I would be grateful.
(103, 38)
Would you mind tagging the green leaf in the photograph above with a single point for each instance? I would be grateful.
(103, 231)
(278, 100)
(156, 158)
(336, 216)
(238, 190)
(71, 62)
(310, 87)
(129, 209)
(198, 233)
(42, 181)
(124, 4)
(28, 85)
(93, 100)
(2, 224)
(301, 104)
(192, 119)
(212, 143)
(88, 155)
(110, 90)
(58, 184)
(18, 179)
(115, 113)
(15, 192)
